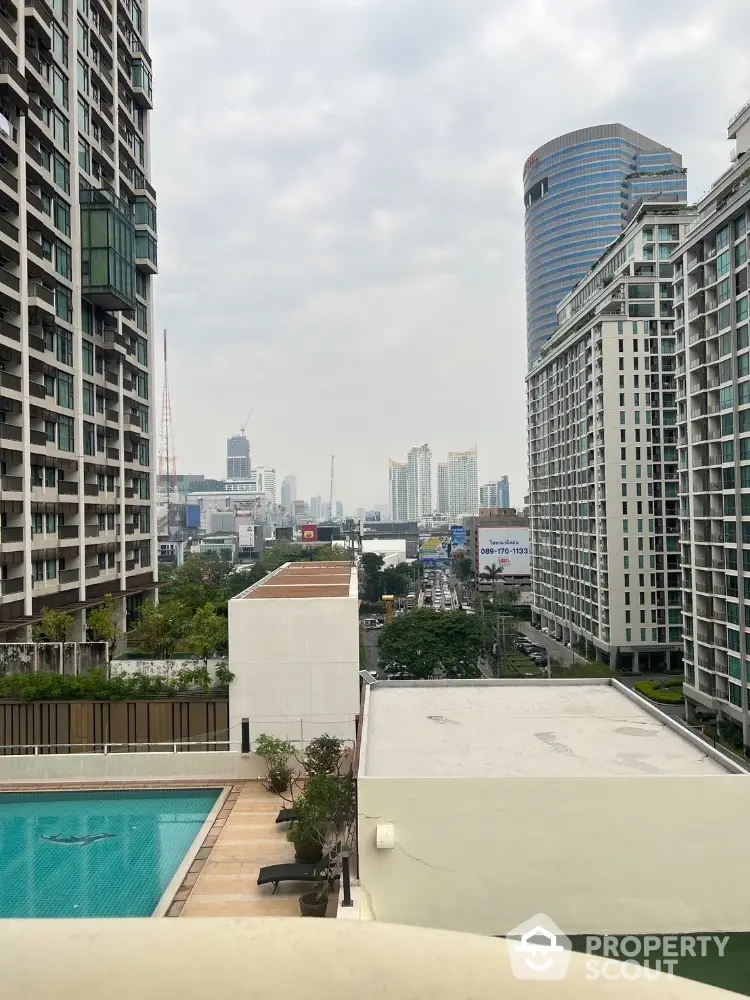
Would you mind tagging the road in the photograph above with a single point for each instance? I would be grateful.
(553, 647)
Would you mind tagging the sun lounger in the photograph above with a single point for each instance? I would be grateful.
(296, 872)
(286, 815)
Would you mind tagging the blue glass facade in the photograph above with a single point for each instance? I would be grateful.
(578, 190)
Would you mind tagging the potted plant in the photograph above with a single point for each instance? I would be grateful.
(327, 816)
(305, 832)
(276, 754)
(315, 902)
(323, 755)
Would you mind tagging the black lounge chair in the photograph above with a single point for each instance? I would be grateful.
(286, 815)
(297, 872)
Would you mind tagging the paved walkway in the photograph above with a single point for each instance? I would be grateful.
(226, 885)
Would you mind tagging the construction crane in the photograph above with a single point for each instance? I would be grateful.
(243, 426)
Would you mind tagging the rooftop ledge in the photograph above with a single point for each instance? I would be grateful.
(288, 957)
(305, 580)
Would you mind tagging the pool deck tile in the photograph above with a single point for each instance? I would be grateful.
(242, 842)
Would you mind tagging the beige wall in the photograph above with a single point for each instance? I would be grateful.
(230, 765)
(621, 855)
(295, 665)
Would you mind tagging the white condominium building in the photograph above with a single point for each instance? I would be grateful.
(443, 489)
(419, 476)
(398, 490)
(713, 345)
(463, 484)
(603, 455)
(78, 247)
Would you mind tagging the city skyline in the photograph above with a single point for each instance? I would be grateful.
(316, 240)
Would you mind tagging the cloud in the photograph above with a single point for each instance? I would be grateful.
(341, 216)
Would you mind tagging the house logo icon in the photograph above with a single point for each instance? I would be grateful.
(538, 949)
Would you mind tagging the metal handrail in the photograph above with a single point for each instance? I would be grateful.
(107, 747)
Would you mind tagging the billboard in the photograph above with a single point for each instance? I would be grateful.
(432, 551)
(309, 532)
(458, 537)
(192, 515)
(505, 548)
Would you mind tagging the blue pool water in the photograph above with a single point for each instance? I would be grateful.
(95, 854)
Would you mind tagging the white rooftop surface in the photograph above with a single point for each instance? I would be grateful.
(435, 730)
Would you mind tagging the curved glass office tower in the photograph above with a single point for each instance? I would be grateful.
(578, 190)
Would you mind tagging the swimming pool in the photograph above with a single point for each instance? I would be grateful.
(95, 854)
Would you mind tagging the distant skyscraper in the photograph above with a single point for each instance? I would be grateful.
(288, 491)
(238, 457)
(398, 490)
(419, 480)
(495, 494)
(339, 511)
(316, 508)
(263, 480)
(463, 500)
(578, 191)
(443, 488)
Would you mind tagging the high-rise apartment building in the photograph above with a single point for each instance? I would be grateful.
(419, 476)
(603, 453)
(238, 457)
(443, 489)
(463, 488)
(263, 479)
(288, 491)
(713, 352)
(339, 511)
(78, 242)
(578, 191)
(316, 508)
(398, 490)
(495, 494)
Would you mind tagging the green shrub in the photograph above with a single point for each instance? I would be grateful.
(665, 692)
(95, 686)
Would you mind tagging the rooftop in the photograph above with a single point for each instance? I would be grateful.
(306, 579)
(505, 729)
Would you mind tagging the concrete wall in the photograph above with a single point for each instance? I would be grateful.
(296, 666)
(615, 855)
(229, 766)
(160, 668)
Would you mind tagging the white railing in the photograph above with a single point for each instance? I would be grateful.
(53, 749)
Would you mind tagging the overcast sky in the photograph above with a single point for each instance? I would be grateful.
(341, 214)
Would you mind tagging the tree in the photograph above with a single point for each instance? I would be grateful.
(396, 579)
(206, 632)
(372, 578)
(462, 568)
(507, 597)
(492, 573)
(102, 622)
(424, 644)
(160, 629)
(200, 579)
(54, 626)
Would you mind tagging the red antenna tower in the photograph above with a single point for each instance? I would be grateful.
(167, 458)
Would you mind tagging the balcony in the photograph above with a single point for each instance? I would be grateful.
(90, 490)
(145, 253)
(38, 17)
(142, 84)
(10, 535)
(13, 86)
(42, 299)
(66, 531)
(108, 250)
(69, 576)
(66, 488)
(92, 572)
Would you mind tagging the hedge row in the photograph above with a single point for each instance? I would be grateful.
(662, 691)
(95, 686)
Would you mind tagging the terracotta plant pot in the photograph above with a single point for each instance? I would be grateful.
(312, 904)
